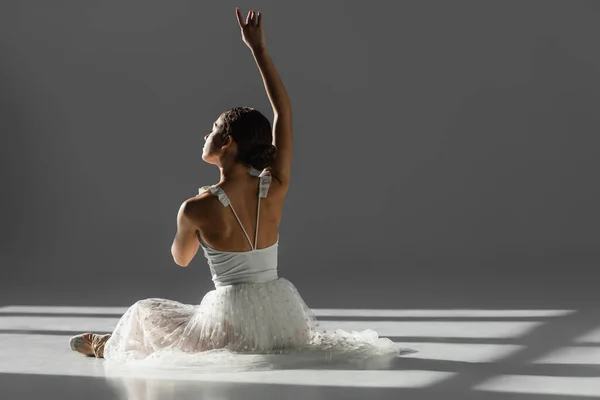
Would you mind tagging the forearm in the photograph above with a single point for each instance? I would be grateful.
(278, 96)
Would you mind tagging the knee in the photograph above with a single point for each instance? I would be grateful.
(148, 302)
(144, 304)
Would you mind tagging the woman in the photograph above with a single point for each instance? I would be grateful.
(252, 314)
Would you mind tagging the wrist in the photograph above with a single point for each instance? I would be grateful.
(259, 49)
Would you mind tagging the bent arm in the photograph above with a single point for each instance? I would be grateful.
(185, 245)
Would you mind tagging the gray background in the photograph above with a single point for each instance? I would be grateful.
(445, 152)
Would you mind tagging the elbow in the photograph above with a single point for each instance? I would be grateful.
(181, 264)
(178, 261)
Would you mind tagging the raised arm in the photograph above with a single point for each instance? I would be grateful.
(253, 36)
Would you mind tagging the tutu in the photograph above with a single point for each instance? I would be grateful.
(253, 320)
(239, 327)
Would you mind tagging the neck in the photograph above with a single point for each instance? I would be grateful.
(237, 173)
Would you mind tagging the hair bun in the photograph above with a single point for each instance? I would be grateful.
(261, 155)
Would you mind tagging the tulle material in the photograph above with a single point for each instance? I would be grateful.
(240, 327)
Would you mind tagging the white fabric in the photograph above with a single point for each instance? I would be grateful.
(252, 320)
(237, 328)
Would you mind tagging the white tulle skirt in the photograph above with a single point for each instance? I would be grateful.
(237, 328)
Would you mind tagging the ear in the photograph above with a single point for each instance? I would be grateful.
(228, 142)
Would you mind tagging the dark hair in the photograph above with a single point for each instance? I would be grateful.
(252, 132)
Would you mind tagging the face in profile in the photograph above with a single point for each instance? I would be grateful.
(212, 143)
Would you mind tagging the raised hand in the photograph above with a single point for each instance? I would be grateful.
(252, 32)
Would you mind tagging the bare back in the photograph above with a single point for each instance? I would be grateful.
(220, 229)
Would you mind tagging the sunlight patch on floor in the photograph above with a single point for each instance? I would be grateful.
(592, 337)
(425, 329)
(474, 313)
(51, 355)
(29, 352)
(322, 312)
(550, 385)
(572, 355)
(462, 352)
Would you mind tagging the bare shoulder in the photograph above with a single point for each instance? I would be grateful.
(204, 193)
(199, 204)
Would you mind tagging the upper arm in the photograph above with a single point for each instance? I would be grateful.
(282, 140)
(185, 245)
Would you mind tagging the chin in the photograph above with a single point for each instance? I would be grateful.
(206, 160)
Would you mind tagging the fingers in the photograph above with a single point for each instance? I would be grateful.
(239, 17)
(251, 19)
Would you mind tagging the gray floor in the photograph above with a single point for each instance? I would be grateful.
(462, 354)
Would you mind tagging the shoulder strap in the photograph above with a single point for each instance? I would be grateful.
(265, 179)
(220, 193)
(264, 184)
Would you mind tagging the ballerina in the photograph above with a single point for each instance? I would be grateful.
(252, 310)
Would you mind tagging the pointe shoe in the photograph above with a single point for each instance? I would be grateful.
(98, 343)
(89, 344)
(83, 344)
